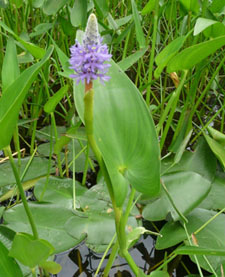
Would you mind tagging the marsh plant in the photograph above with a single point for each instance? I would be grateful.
(134, 99)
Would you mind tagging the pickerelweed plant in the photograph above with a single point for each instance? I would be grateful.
(90, 61)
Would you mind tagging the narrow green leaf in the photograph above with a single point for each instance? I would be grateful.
(132, 59)
(55, 99)
(8, 266)
(36, 51)
(196, 250)
(167, 54)
(12, 99)
(218, 136)
(149, 7)
(139, 32)
(10, 67)
(190, 56)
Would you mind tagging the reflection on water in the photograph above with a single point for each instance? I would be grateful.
(83, 262)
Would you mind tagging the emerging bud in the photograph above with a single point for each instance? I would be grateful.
(88, 59)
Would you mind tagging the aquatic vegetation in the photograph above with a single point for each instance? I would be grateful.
(113, 139)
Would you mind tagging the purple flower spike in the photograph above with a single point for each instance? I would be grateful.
(88, 59)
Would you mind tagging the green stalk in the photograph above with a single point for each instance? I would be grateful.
(88, 118)
(104, 255)
(171, 105)
(74, 180)
(151, 61)
(21, 191)
(56, 137)
(111, 259)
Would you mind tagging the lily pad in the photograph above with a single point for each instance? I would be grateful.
(187, 190)
(59, 191)
(50, 220)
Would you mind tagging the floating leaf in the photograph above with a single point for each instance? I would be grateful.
(50, 220)
(187, 190)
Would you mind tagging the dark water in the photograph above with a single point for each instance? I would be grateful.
(82, 262)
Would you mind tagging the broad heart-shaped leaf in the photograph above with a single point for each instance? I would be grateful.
(50, 220)
(98, 228)
(29, 251)
(190, 56)
(12, 99)
(212, 236)
(187, 190)
(125, 134)
(205, 23)
(8, 266)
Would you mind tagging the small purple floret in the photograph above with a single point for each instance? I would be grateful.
(88, 62)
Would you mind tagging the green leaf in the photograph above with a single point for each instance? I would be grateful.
(216, 196)
(78, 14)
(51, 267)
(218, 136)
(10, 67)
(50, 220)
(8, 266)
(41, 29)
(55, 99)
(191, 5)
(132, 59)
(149, 7)
(217, 149)
(29, 251)
(98, 228)
(159, 274)
(37, 168)
(59, 191)
(196, 250)
(3, 3)
(190, 56)
(51, 7)
(101, 7)
(217, 6)
(167, 54)
(36, 51)
(201, 161)
(211, 236)
(138, 28)
(12, 99)
(187, 190)
(121, 122)
(210, 27)
(17, 3)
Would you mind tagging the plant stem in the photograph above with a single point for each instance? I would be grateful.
(111, 259)
(21, 191)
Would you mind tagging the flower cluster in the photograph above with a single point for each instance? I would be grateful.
(88, 59)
